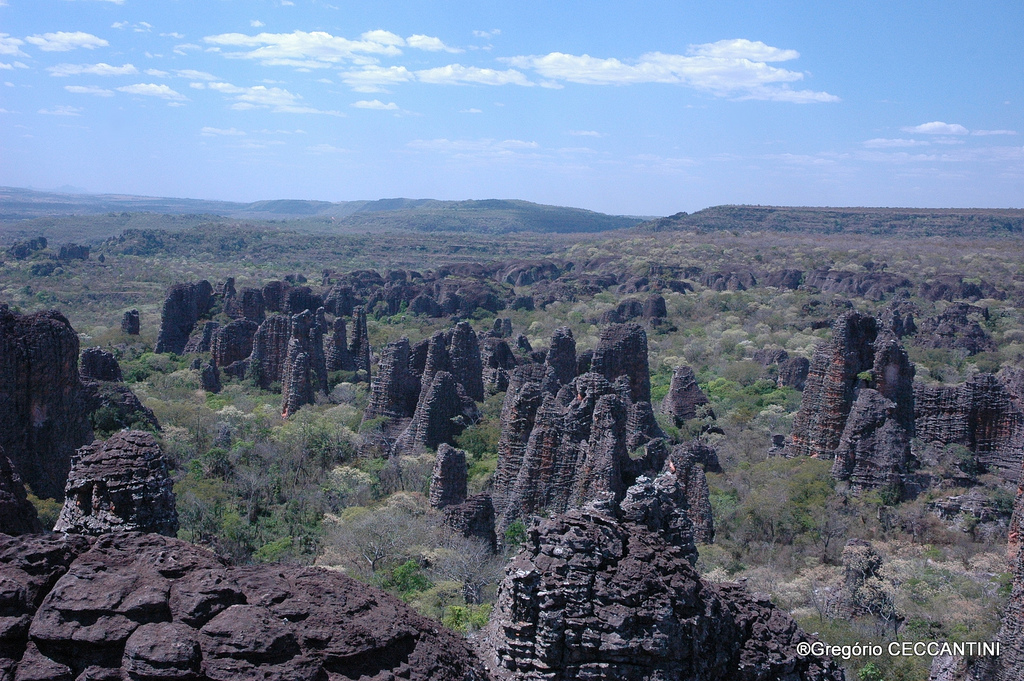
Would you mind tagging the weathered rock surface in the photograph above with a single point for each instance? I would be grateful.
(593, 597)
(119, 485)
(562, 355)
(395, 389)
(360, 344)
(143, 606)
(43, 412)
(980, 415)
(98, 364)
(209, 378)
(201, 339)
(793, 372)
(184, 306)
(685, 398)
(130, 323)
(233, 342)
(17, 514)
(473, 518)
(830, 390)
(338, 356)
(622, 351)
(443, 412)
(874, 448)
(448, 481)
(688, 463)
(304, 374)
(269, 347)
(248, 305)
(957, 328)
(497, 360)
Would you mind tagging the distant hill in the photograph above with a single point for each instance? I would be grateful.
(910, 222)
(51, 210)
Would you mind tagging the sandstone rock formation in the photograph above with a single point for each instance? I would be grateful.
(395, 389)
(360, 346)
(622, 351)
(338, 356)
(184, 306)
(269, 347)
(448, 482)
(304, 374)
(119, 485)
(957, 328)
(497, 360)
(209, 378)
(562, 355)
(43, 411)
(147, 607)
(830, 390)
(443, 411)
(233, 342)
(17, 514)
(874, 448)
(594, 596)
(793, 372)
(685, 398)
(473, 518)
(130, 323)
(201, 339)
(248, 305)
(98, 364)
(980, 415)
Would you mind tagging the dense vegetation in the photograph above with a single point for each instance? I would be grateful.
(260, 488)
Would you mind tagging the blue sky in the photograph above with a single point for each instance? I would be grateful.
(644, 108)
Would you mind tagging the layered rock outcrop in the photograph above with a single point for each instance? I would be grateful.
(448, 481)
(980, 415)
(360, 344)
(130, 323)
(143, 606)
(395, 389)
(561, 355)
(184, 306)
(338, 356)
(622, 352)
(685, 398)
(597, 594)
(201, 339)
(17, 514)
(957, 328)
(269, 347)
(497, 360)
(119, 485)
(304, 374)
(98, 364)
(443, 412)
(233, 342)
(44, 415)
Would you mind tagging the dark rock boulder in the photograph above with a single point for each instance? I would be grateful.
(119, 485)
(768, 356)
(209, 378)
(497, 360)
(44, 417)
(655, 308)
(443, 412)
(249, 305)
(100, 365)
(738, 280)
(23, 249)
(274, 293)
(201, 339)
(360, 344)
(142, 606)
(185, 305)
(787, 278)
(473, 518)
(627, 310)
(130, 323)
(688, 463)
(874, 449)
(304, 374)
(591, 596)
(17, 514)
(233, 342)
(448, 481)
(685, 398)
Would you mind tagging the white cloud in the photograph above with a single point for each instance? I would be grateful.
(309, 50)
(456, 73)
(185, 47)
(429, 43)
(728, 68)
(213, 132)
(120, 24)
(739, 48)
(153, 90)
(882, 143)
(375, 78)
(63, 41)
(62, 111)
(993, 132)
(175, 35)
(194, 75)
(585, 133)
(10, 46)
(157, 73)
(142, 27)
(471, 111)
(938, 128)
(10, 67)
(384, 38)
(487, 34)
(100, 69)
(375, 104)
(276, 99)
(256, 23)
(89, 90)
